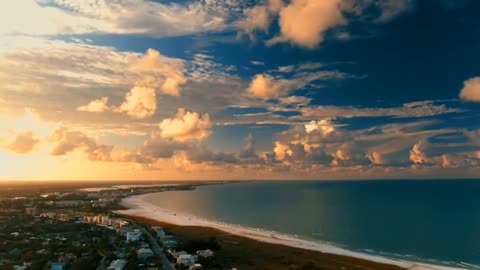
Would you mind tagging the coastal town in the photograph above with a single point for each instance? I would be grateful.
(79, 229)
(83, 226)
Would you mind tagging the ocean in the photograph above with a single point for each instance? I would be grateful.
(431, 221)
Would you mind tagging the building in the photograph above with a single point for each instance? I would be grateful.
(134, 235)
(144, 253)
(117, 264)
(186, 260)
(57, 266)
(48, 215)
(207, 253)
(105, 220)
(68, 203)
(196, 266)
(159, 232)
(31, 211)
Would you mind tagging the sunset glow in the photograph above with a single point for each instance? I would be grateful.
(217, 90)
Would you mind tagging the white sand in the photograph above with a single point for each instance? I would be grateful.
(139, 207)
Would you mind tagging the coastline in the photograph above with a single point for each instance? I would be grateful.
(138, 207)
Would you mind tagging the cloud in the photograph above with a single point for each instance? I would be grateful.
(408, 110)
(66, 141)
(304, 22)
(265, 86)
(259, 17)
(186, 126)
(248, 149)
(323, 126)
(471, 90)
(418, 155)
(256, 18)
(389, 9)
(97, 105)
(140, 102)
(57, 17)
(22, 142)
(268, 87)
(153, 64)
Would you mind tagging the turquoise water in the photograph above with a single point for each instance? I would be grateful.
(430, 221)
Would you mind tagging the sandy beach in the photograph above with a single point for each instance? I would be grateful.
(137, 206)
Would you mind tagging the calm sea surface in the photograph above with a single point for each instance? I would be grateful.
(430, 221)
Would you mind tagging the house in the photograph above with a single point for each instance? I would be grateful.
(117, 264)
(186, 260)
(134, 235)
(144, 253)
(178, 253)
(207, 253)
(57, 266)
(159, 232)
(196, 266)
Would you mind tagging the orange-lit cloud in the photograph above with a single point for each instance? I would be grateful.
(140, 102)
(471, 90)
(186, 126)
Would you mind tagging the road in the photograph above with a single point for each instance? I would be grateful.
(166, 265)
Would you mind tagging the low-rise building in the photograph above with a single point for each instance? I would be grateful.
(117, 264)
(144, 253)
(186, 260)
(196, 266)
(206, 253)
(134, 235)
(57, 266)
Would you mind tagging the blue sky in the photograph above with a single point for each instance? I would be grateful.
(242, 89)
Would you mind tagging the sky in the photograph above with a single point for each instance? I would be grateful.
(239, 89)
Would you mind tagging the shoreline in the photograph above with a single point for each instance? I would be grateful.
(138, 207)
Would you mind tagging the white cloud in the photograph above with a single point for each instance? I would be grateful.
(324, 126)
(186, 126)
(471, 90)
(140, 102)
(153, 64)
(97, 105)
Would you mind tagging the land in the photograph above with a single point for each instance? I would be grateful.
(244, 253)
(72, 226)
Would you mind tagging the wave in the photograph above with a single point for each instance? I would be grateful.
(138, 206)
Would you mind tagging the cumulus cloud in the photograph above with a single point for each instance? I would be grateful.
(154, 65)
(304, 22)
(22, 142)
(66, 141)
(186, 126)
(265, 86)
(256, 18)
(471, 90)
(418, 155)
(140, 102)
(324, 126)
(97, 105)
(259, 17)
(248, 149)
(282, 151)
